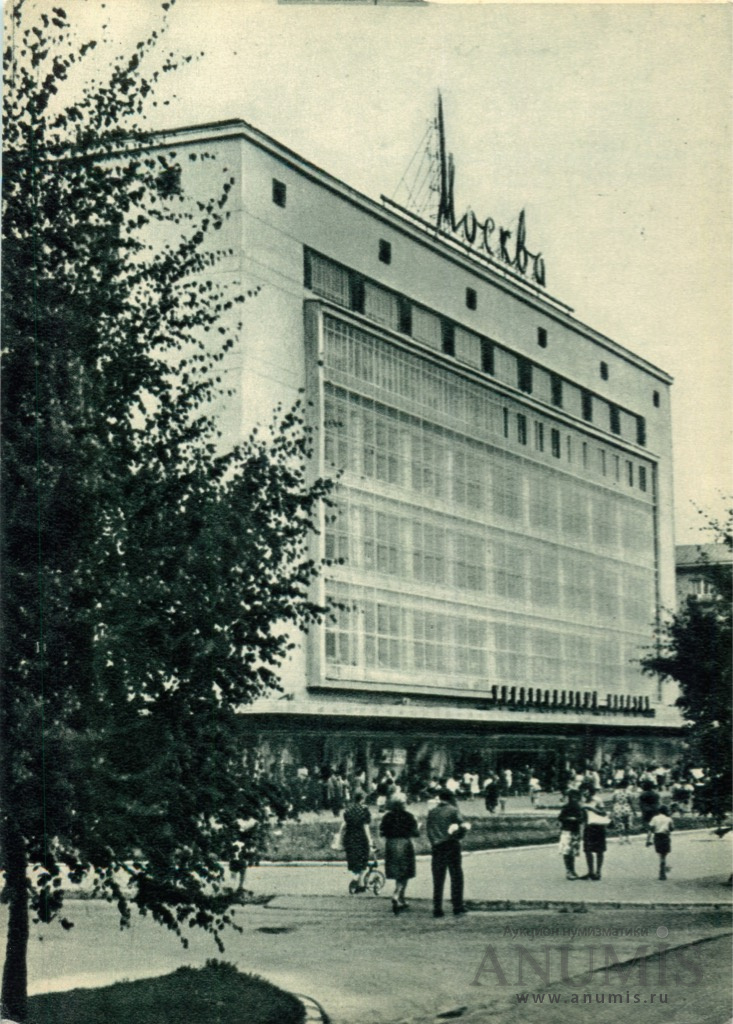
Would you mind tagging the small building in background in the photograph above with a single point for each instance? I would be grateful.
(692, 559)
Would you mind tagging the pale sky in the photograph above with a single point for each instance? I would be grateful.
(609, 124)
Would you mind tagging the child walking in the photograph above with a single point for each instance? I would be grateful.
(661, 827)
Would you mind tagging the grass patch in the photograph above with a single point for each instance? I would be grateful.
(215, 994)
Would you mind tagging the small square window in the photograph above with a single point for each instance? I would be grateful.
(556, 386)
(471, 298)
(656, 399)
(587, 406)
(542, 337)
(521, 428)
(539, 436)
(604, 371)
(168, 182)
(357, 292)
(449, 338)
(487, 356)
(524, 375)
(555, 442)
(385, 251)
(279, 193)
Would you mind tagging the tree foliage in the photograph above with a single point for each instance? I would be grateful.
(694, 649)
(150, 577)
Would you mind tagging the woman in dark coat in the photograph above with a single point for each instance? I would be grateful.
(357, 839)
(399, 827)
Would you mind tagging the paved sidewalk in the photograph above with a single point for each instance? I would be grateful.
(700, 866)
(367, 967)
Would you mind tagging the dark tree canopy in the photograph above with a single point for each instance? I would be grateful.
(150, 578)
(694, 649)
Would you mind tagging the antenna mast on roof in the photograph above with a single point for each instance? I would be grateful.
(418, 190)
(426, 192)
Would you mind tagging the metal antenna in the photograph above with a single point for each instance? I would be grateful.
(418, 189)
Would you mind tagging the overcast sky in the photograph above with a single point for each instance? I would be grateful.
(609, 125)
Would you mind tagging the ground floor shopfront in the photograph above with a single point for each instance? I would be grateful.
(419, 744)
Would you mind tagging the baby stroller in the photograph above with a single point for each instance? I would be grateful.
(373, 880)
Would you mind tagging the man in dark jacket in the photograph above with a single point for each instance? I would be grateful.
(445, 829)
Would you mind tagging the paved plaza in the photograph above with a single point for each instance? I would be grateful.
(364, 966)
(700, 862)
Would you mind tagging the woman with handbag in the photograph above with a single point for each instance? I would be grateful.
(399, 828)
(356, 838)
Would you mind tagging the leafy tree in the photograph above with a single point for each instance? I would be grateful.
(151, 578)
(694, 648)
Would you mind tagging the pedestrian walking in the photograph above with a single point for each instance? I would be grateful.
(385, 781)
(399, 828)
(648, 805)
(446, 828)
(594, 834)
(621, 811)
(535, 788)
(491, 793)
(335, 793)
(661, 828)
(357, 839)
(571, 820)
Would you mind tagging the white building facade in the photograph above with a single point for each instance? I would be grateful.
(502, 539)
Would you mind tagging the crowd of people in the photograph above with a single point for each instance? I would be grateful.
(595, 799)
(583, 820)
(331, 789)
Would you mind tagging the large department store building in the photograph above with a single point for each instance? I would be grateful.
(502, 541)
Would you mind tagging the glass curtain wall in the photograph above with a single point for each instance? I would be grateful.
(477, 542)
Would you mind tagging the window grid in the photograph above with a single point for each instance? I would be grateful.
(435, 509)
(358, 359)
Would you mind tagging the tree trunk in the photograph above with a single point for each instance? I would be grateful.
(15, 971)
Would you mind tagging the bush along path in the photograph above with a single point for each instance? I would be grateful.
(215, 994)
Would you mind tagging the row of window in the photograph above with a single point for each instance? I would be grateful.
(366, 363)
(373, 631)
(552, 441)
(393, 310)
(453, 475)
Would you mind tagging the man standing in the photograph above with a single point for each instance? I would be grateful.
(445, 829)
